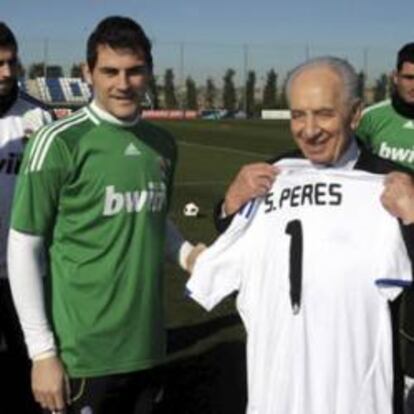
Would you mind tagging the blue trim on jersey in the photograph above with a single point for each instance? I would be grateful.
(241, 210)
(393, 283)
(250, 208)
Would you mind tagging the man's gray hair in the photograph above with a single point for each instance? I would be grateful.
(340, 66)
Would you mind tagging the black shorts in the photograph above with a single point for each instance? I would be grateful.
(131, 393)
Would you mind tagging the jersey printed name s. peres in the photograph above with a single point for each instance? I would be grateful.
(311, 194)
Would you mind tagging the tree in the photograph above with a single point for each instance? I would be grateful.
(211, 92)
(282, 102)
(380, 88)
(270, 91)
(153, 91)
(249, 94)
(191, 94)
(229, 91)
(36, 70)
(169, 90)
(361, 85)
(21, 71)
(54, 71)
(76, 70)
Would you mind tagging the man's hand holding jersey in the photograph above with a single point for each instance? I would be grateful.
(253, 180)
(398, 196)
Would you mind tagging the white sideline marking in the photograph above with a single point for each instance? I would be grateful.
(223, 149)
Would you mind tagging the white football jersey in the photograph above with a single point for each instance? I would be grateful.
(315, 263)
(21, 120)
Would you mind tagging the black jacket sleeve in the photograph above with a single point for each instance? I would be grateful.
(221, 223)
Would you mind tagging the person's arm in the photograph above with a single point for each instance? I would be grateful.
(44, 171)
(398, 196)
(26, 269)
(253, 180)
(364, 130)
(179, 250)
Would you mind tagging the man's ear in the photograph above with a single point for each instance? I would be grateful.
(394, 77)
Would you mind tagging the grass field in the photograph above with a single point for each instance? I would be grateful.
(205, 373)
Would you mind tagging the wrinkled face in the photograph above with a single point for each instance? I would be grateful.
(404, 82)
(322, 123)
(8, 70)
(119, 81)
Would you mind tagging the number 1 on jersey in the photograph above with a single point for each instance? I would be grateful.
(294, 230)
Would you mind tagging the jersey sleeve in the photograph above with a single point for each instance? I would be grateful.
(394, 269)
(45, 166)
(364, 130)
(218, 271)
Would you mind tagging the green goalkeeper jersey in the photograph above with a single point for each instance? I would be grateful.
(99, 193)
(388, 134)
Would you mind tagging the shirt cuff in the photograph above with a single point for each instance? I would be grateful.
(44, 355)
(185, 250)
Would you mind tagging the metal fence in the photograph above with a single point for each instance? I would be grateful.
(203, 60)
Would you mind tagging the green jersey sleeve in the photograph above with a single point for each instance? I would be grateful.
(364, 130)
(45, 167)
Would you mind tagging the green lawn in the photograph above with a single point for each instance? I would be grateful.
(206, 369)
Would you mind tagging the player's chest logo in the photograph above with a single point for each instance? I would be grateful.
(153, 199)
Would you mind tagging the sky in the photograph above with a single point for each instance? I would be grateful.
(204, 38)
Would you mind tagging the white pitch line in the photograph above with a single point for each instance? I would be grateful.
(223, 149)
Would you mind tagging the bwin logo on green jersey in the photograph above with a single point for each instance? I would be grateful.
(153, 198)
(396, 153)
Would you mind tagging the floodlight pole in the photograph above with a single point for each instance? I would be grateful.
(365, 60)
(245, 69)
(45, 56)
(182, 75)
(307, 52)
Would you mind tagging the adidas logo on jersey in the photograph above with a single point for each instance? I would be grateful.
(134, 201)
(409, 125)
(10, 165)
(131, 149)
(396, 153)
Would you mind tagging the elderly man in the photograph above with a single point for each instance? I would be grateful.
(316, 260)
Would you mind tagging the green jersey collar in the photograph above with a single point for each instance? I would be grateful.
(98, 115)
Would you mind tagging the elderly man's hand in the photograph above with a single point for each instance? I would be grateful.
(253, 180)
(398, 196)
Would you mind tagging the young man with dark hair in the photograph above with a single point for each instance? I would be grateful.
(387, 128)
(122, 33)
(20, 115)
(94, 190)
